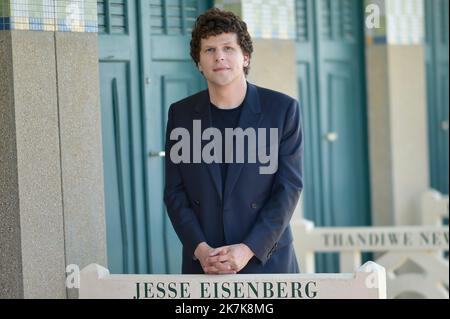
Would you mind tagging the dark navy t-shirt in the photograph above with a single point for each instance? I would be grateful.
(222, 119)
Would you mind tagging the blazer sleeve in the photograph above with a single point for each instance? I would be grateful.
(275, 216)
(182, 216)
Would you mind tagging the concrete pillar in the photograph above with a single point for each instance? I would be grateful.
(396, 85)
(51, 172)
(11, 278)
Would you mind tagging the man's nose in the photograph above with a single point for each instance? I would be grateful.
(219, 55)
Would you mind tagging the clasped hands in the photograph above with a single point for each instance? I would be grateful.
(223, 260)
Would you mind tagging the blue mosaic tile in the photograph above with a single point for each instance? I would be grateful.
(91, 26)
(62, 26)
(36, 24)
(5, 23)
(380, 40)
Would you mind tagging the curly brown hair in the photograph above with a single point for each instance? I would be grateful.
(215, 22)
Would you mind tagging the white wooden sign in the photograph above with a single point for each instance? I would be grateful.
(369, 282)
(418, 247)
(410, 238)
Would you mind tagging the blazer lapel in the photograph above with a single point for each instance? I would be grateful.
(250, 117)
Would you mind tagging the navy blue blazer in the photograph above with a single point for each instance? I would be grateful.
(254, 208)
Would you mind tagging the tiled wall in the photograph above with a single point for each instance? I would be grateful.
(49, 15)
(401, 22)
(266, 19)
(405, 21)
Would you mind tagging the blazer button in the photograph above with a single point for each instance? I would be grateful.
(197, 203)
(254, 206)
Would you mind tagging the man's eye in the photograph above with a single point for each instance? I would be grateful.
(209, 50)
(228, 48)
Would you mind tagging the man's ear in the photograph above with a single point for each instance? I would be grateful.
(246, 60)
(200, 69)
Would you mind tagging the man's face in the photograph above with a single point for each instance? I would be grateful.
(221, 59)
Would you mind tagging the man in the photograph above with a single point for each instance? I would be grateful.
(232, 216)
